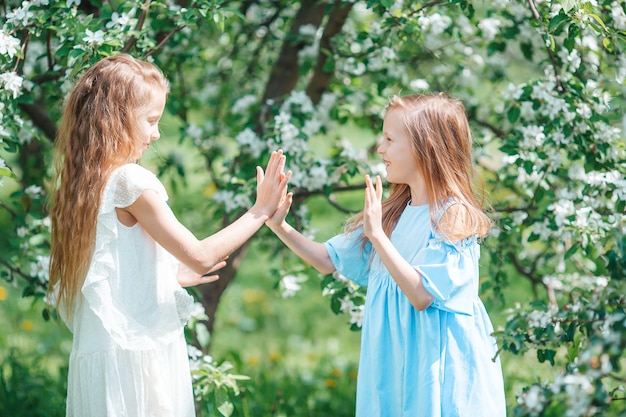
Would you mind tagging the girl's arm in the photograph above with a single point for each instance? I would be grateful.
(204, 256)
(407, 278)
(314, 253)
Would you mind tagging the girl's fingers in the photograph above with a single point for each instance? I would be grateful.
(276, 164)
(209, 278)
(379, 188)
(368, 193)
(218, 266)
(259, 175)
(285, 180)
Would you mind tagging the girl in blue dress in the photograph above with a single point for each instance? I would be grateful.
(426, 347)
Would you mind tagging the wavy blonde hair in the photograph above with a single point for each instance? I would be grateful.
(98, 133)
(442, 146)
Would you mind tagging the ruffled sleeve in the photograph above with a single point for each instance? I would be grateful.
(126, 184)
(348, 257)
(450, 273)
(131, 285)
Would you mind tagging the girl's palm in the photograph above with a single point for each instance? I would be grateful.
(272, 184)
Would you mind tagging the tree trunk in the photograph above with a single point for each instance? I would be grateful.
(212, 292)
(320, 80)
(283, 79)
(285, 72)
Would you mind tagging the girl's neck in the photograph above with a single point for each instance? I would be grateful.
(419, 196)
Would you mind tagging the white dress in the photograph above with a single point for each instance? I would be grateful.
(129, 355)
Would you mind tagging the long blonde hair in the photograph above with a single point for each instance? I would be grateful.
(442, 146)
(98, 133)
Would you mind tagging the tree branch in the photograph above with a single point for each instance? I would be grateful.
(142, 18)
(163, 41)
(17, 271)
(551, 55)
(40, 118)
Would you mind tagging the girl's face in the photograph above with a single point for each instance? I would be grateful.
(397, 152)
(148, 122)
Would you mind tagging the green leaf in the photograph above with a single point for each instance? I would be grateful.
(386, 3)
(572, 250)
(546, 355)
(5, 171)
(597, 19)
(513, 114)
(557, 21)
(527, 50)
(608, 45)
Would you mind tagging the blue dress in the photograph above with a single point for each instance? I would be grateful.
(438, 362)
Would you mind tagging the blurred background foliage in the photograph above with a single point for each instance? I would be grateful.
(543, 84)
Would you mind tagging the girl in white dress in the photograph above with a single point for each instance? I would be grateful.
(119, 256)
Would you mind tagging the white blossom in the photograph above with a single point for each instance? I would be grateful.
(94, 39)
(301, 99)
(39, 268)
(533, 400)
(308, 30)
(282, 118)
(247, 138)
(311, 126)
(436, 23)
(290, 285)
(198, 312)
(419, 84)
(195, 132)
(619, 18)
(243, 104)
(489, 27)
(539, 319)
(513, 92)
(346, 304)
(33, 191)
(533, 136)
(121, 21)
(11, 82)
(8, 44)
(356, 316)
(20, 16)
(231, 201)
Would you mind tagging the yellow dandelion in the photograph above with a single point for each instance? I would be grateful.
(330, 383)
(209, 190)
(3, 294)
(353, 375)
(335, 372)
(274, 356)
(28, 325)
(253, 296)
(253, 361)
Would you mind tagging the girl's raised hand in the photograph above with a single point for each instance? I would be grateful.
(281, 212)
(271, 184)
(372, 211)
